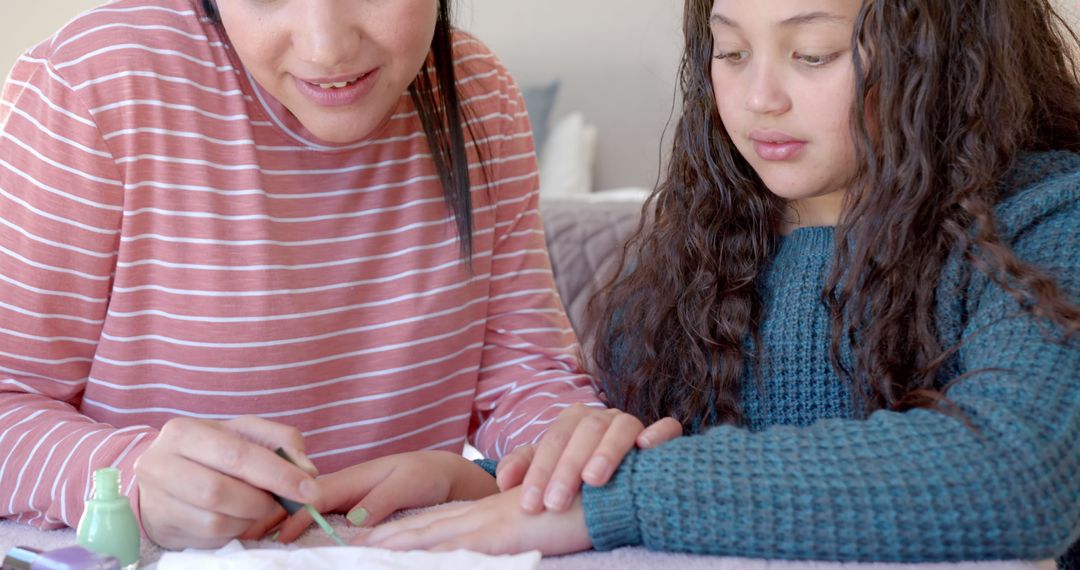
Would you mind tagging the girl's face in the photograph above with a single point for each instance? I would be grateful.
(340, 66)
(784, 80)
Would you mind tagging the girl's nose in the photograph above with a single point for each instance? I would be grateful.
(766, 94)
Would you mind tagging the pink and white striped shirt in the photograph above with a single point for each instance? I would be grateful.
(174, 243)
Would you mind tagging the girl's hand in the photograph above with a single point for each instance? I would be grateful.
(203, 483)
(495, 525)
(584, 444)
(372, 491)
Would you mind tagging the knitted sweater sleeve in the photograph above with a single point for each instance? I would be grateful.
(917, 486)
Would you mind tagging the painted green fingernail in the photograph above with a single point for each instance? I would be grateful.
(357, 516)
(274, 537)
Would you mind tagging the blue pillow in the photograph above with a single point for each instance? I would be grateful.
(539, 101)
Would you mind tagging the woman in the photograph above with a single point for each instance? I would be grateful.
(235, 226)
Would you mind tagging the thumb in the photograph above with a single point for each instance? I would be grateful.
(511, 470)
(661, 431)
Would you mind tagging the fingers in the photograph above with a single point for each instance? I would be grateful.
(260, 529)
(565, 481)
(339, 491)
(189, 526)
(415, 522)
(208, 490)
(214, 477)
(238, 455)
(273, 435)
(399, 489)
(494, 524)
(294, 526)
(511, 470)
(661, 431)
(547, 455)
(617, 442)
(476, 541)
(434, 531)
(372, 491)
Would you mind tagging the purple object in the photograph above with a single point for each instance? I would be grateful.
(67, 558)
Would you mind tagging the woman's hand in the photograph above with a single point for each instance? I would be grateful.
(372, 491)
(495, 525)
(203, 483)
(584, 444)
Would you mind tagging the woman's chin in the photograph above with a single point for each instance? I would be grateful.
(335, 134)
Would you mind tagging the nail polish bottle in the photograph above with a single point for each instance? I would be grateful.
(68, 558)
(108, 526)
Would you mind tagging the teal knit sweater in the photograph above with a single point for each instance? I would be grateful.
(806, 480)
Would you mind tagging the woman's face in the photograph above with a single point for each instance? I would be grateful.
(784, 80)
(340, 66)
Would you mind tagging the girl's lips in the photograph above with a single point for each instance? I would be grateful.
(338, 96)
(777, 151)
(771, 144)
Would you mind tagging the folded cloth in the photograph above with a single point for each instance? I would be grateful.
(233, 556)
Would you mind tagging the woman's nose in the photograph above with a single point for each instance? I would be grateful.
(327, 38)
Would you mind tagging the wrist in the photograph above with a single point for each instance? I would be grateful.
(470, 481)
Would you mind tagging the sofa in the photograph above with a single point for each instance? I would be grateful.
(585, 236)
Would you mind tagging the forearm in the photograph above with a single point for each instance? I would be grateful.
(48, 452)
(913, 487)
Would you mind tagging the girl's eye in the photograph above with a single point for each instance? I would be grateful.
(816, 60)
(733, 56)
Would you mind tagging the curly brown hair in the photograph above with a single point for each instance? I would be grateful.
(947, 94)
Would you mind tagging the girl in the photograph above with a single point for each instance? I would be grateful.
(234, 226)
(858, 291)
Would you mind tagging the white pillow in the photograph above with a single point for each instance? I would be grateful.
(567, 157)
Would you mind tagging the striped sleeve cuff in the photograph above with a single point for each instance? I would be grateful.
(610, 512)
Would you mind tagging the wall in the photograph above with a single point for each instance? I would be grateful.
(27, 22)
(616, 60)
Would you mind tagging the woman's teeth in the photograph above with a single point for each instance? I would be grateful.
(338, 84)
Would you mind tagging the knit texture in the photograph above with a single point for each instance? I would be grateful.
(806, 479)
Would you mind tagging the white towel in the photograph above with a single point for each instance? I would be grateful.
(234, 556)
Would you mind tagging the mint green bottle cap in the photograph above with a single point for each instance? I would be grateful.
(107, 484)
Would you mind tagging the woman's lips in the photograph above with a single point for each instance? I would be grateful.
(352, 92)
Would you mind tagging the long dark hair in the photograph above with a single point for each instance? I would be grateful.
(438, 104)
(947, 94)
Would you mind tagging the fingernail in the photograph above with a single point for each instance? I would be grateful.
(274, 537)
(309, 490)
(357, 516)
(596, 467)
(645, 441)
(557, 497)
(532, 499)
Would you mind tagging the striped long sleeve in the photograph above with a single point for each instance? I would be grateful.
(175, 244)
(61, 199)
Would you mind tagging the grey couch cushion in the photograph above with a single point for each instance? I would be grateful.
(585, 238)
